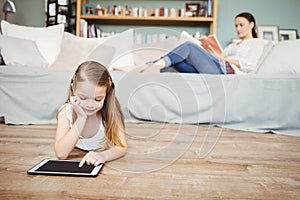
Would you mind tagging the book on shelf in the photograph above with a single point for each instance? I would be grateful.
(117, 10)
(213, 42)
(92, 30)
(89, 30)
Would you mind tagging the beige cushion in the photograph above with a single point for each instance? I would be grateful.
(143, 53)
(75, 50)
(122, 44)
(16, 51)
(282, 59)
(48, 39)
(267, 48)
(102, 54)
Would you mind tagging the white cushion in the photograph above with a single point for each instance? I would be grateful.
(267, 48)
(102, 54)
(149, 52)
(1, 59)
(16, 51)
(282, 59)
(123, 45)
(48, 39)
(75, 50)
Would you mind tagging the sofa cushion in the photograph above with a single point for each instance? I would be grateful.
(1, 59)
(102, 54)
(143, 53)
(75, 50)
(282, 59)
(48, 39)
(267, 48)
(114, 51)
(17, 51)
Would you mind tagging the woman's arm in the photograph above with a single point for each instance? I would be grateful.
(95, 158)
(220, 56)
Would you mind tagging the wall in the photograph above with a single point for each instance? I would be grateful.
(29, 12)
(284, 13)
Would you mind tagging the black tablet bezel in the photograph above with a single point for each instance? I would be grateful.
(34, 169)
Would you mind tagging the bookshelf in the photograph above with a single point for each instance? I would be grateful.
(62, 12)
(210, 22)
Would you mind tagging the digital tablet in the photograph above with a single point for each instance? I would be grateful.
(64, 168)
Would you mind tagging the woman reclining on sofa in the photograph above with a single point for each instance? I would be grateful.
(240, 57)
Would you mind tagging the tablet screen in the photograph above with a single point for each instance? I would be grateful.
(64, 167)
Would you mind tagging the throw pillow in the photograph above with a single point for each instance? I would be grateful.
(149, 52)
(282, 59)
(122, 44)
(102, 54)
(16, 51)
(1, 59)
(48, 39)
(267, 48)
(75, 50)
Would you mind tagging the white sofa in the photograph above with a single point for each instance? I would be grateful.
(33, 86)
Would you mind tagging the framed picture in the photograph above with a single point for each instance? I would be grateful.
(288, 34)
(88, 9)
(192, 9)
(268, 32)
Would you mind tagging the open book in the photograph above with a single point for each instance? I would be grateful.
(211, 40)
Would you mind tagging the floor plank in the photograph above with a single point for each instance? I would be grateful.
(164, 161)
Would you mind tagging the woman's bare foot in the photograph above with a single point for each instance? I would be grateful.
(135, 68)
(126, 68)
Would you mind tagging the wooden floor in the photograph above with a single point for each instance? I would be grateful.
(164, 161)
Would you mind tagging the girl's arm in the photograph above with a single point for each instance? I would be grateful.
(95, 158)
(67, 138)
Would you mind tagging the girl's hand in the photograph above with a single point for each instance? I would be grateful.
(77, 108)
(92, 158)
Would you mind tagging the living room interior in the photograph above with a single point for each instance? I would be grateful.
(281, 13)
(189, 136)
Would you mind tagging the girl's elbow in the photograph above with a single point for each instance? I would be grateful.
(61, 156)
(124, 149)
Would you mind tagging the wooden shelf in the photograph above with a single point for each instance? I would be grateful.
(131, 18)
(150, 20)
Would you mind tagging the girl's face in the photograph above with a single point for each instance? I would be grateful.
(243, 28)
(90, 96)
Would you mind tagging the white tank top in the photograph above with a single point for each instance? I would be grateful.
(96, 142)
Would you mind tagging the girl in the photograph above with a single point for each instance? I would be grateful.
(240, 57)
(91, 119)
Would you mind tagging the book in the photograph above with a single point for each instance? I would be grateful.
(213, 42)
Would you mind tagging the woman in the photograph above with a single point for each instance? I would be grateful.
(240, 57)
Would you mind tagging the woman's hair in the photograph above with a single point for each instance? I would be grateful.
(250, 18)
(112, 115)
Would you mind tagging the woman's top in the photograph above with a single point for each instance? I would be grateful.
(96, 142)
(247, 52)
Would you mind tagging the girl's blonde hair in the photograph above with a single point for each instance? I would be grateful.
(111, 112)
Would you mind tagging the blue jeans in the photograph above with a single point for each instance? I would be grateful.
(190, 58)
